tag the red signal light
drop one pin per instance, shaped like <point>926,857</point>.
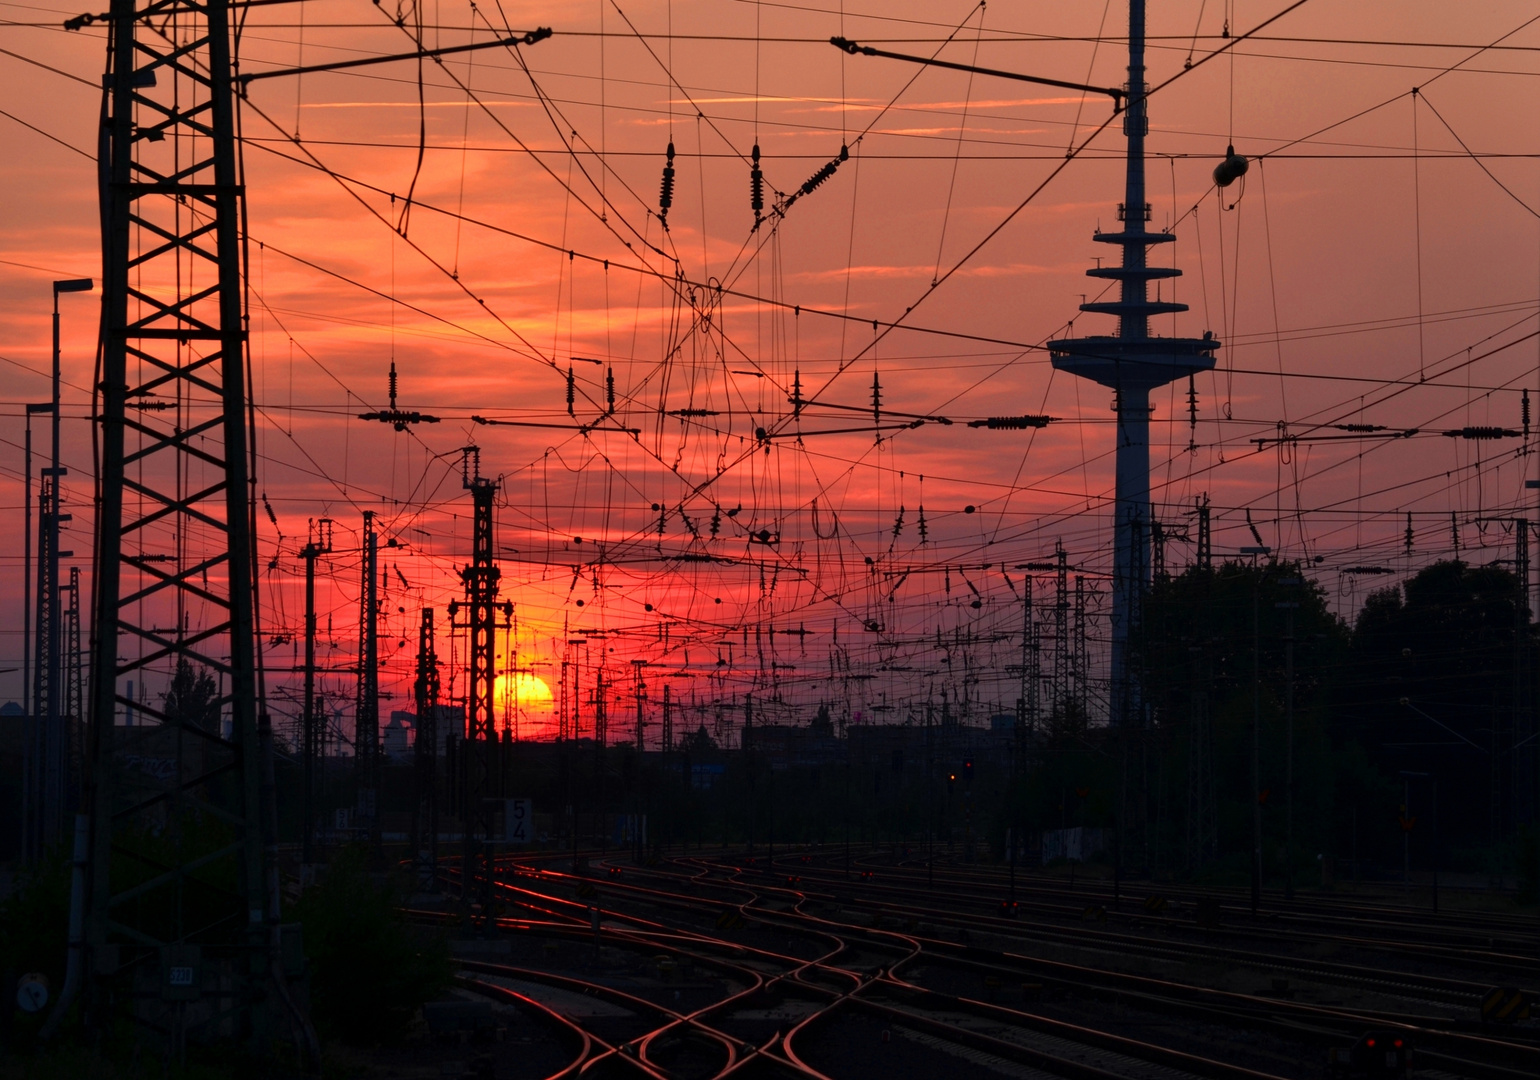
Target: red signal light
<point>1369,1043</point>
<point>1398,1044</point>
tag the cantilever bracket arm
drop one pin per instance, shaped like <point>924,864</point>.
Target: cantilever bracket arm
<point>530,38</point>
<point>1115,93</point>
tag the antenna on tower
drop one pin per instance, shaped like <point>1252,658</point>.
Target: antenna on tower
<point>1133,362</point>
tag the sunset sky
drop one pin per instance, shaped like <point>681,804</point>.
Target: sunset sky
<point>1379,265</point>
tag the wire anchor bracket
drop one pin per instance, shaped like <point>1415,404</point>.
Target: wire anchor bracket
<point>1116,93</point>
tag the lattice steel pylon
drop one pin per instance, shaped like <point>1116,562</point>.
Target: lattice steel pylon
<point>366,712</point>
<point>181,913</point>
<point>425,753</point>
<point>481,579</point>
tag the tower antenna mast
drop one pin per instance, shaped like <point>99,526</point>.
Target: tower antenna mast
<point>1132,363</point>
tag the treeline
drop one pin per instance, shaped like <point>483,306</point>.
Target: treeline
<point>1412,726</point>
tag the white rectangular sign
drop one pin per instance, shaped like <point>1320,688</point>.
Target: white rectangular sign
<point>518,825</point>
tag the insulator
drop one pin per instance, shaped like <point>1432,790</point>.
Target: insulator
<point>923,529</point>
<point>666,192</point>
<point>393,392</point>
<point>609,390</point>
<point>876,399</point>
<point>571,392</point>
<point>1525,408</point>
<point>1482,432</point>
<point>1012,423</point>
<point>796,394</point>
<point>1231,169</point>
<point>819,177</point>
<point>756,185</point>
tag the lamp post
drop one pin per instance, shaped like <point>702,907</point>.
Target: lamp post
<point>48,747</point>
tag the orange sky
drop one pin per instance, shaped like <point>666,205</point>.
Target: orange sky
<point>1314,273</point>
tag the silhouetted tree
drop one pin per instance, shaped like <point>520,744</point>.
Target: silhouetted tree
<point>1435,683</point>
<point>193,697</point>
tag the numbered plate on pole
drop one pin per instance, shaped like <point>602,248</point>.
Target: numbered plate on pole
<point>518,827</point>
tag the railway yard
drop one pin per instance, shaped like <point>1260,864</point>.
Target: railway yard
<point>801,963</point>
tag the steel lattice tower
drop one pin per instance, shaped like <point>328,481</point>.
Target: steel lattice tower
<point>481,579</point>
<point>366,711</point>
<point>44,755</point>
<point>313,717</point>
<point>425,755</point>
<point>177,887</point>
<point>1132,364</point>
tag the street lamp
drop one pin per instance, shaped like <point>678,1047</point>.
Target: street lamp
<point>47,746</point>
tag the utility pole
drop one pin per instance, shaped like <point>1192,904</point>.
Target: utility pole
<point>1519,803</point>
<point>171,193</point>
<point>1061,655</point>
<point>366,711</point>
<point>49,715</point>
<point>1082,665</point>
<point>1205,558</point>
<point>1289,606</point>
<point>74,689</point>
<point>425,756</point>
<point>481,579</point>
<point>601,717</point>
<point>318,543</point>
<point>46,664</point>
<point>668,721</point>
<point>32,729</point>
<point>1256,749</point>
<point>1025,717</point>
<point>641,694</point>
<point>746,744</point>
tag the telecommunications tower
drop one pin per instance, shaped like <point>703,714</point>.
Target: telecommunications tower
<point>1132,363</point>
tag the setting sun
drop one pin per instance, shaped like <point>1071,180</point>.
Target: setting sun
<point>520,690</point>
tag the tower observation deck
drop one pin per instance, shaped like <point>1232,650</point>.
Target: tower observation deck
<point>1132,363</point>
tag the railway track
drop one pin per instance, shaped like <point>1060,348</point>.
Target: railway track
<point>712,967</point>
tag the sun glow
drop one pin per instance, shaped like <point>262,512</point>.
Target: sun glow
<point>521,691</point>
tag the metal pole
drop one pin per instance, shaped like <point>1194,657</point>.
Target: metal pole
<point>1437,841</point>
<point>1288,845</point>
<point>366,713</point>
<point>26,575</point>
<point>55,738</point>
<point>1256,749</point>
<point>309,733</point>
<point>29,726</point>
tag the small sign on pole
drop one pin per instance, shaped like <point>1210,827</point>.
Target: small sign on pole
<point>519,821</point>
